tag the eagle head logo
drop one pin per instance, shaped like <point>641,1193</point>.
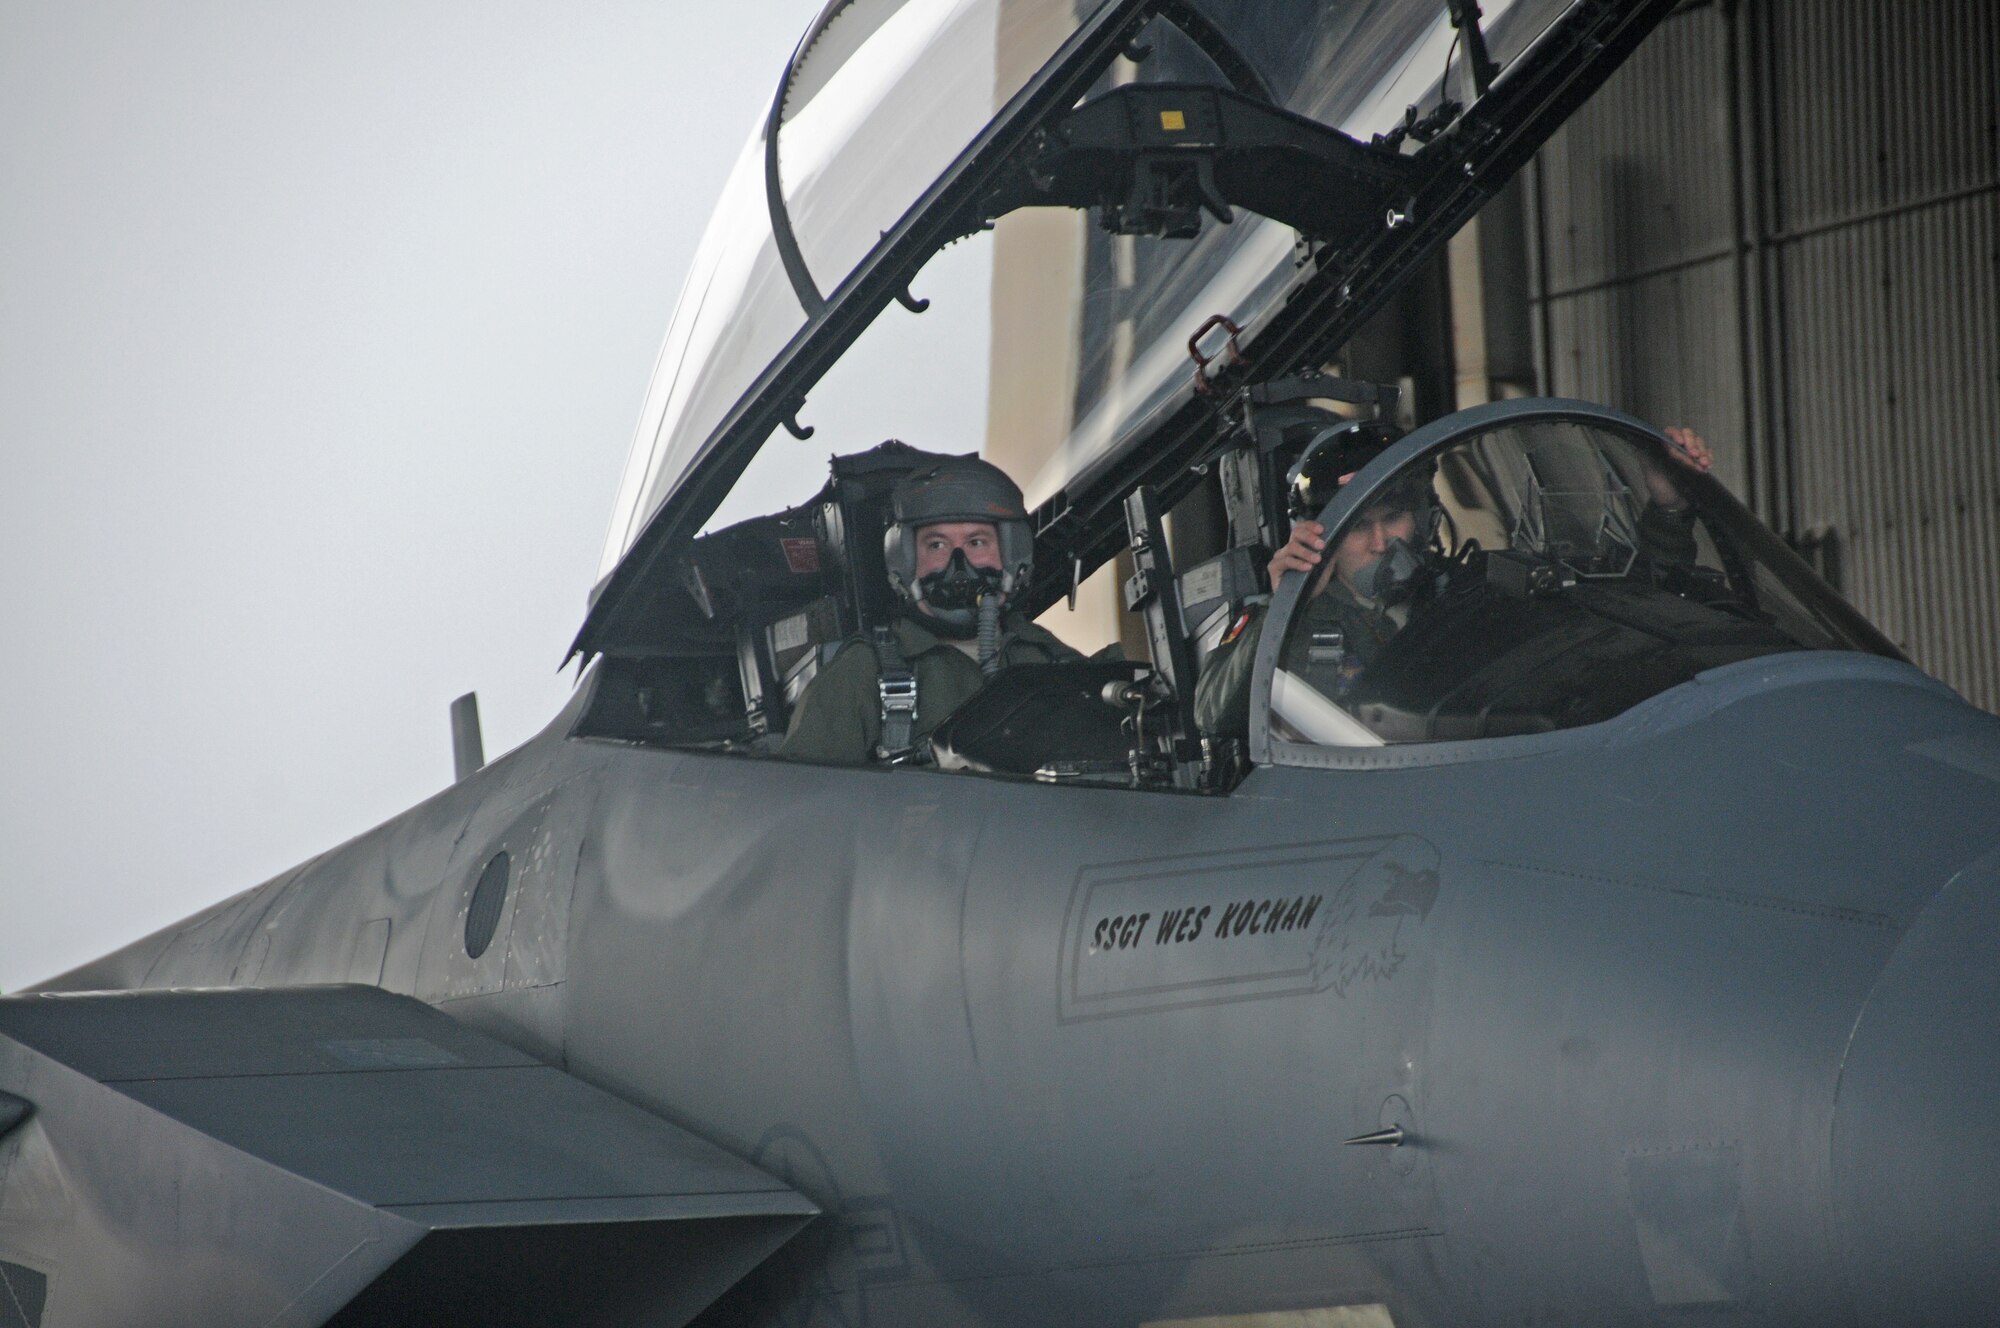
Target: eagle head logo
<point>1358,937</point>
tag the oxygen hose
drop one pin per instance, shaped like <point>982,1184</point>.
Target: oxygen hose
<point>989,634</point>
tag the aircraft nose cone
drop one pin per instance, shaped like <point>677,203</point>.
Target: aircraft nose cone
<point>1916,1134</point>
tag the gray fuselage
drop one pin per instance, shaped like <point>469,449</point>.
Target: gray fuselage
<point>1696,1009</point>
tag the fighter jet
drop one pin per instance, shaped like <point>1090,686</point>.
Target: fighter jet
<point>1611,942</point>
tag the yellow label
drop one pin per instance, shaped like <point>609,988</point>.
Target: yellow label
<point>1173,121</point>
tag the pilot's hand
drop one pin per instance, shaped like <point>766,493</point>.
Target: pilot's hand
<point>1690,448</point>
<point>1692,451</point>
<point>1302,551</point>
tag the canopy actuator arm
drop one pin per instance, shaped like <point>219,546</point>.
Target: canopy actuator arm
<point>1152,157</point>
<point>1465,17</point>
<point>1153,592</point>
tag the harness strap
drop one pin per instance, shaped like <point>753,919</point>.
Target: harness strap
<point>896,682</point>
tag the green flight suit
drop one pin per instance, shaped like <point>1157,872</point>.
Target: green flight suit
<point>1222,694</point>
<point>839,718</point>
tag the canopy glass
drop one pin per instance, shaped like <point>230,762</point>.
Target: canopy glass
<point>886,97</point>
<point>1544,566</point>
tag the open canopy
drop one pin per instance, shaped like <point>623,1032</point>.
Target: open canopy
<point>881,99</point>
<point>904,124</point>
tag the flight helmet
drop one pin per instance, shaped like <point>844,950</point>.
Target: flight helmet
<point>1333,454</point>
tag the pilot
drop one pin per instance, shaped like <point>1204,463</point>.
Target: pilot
<point>1364,593</point>
<point>1360,598</point>
<point>958,548</point>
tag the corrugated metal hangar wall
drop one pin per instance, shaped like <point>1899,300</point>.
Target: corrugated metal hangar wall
<point>1781,224</point>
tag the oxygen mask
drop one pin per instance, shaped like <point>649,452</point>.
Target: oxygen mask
<point>1389,577</point>
<point>956,596</point>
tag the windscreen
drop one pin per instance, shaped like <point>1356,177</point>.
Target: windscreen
<point>1354,65</point>
<point>884,99</point>
<point>1534,577</point>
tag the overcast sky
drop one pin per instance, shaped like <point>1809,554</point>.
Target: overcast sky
<point>323,332</point>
